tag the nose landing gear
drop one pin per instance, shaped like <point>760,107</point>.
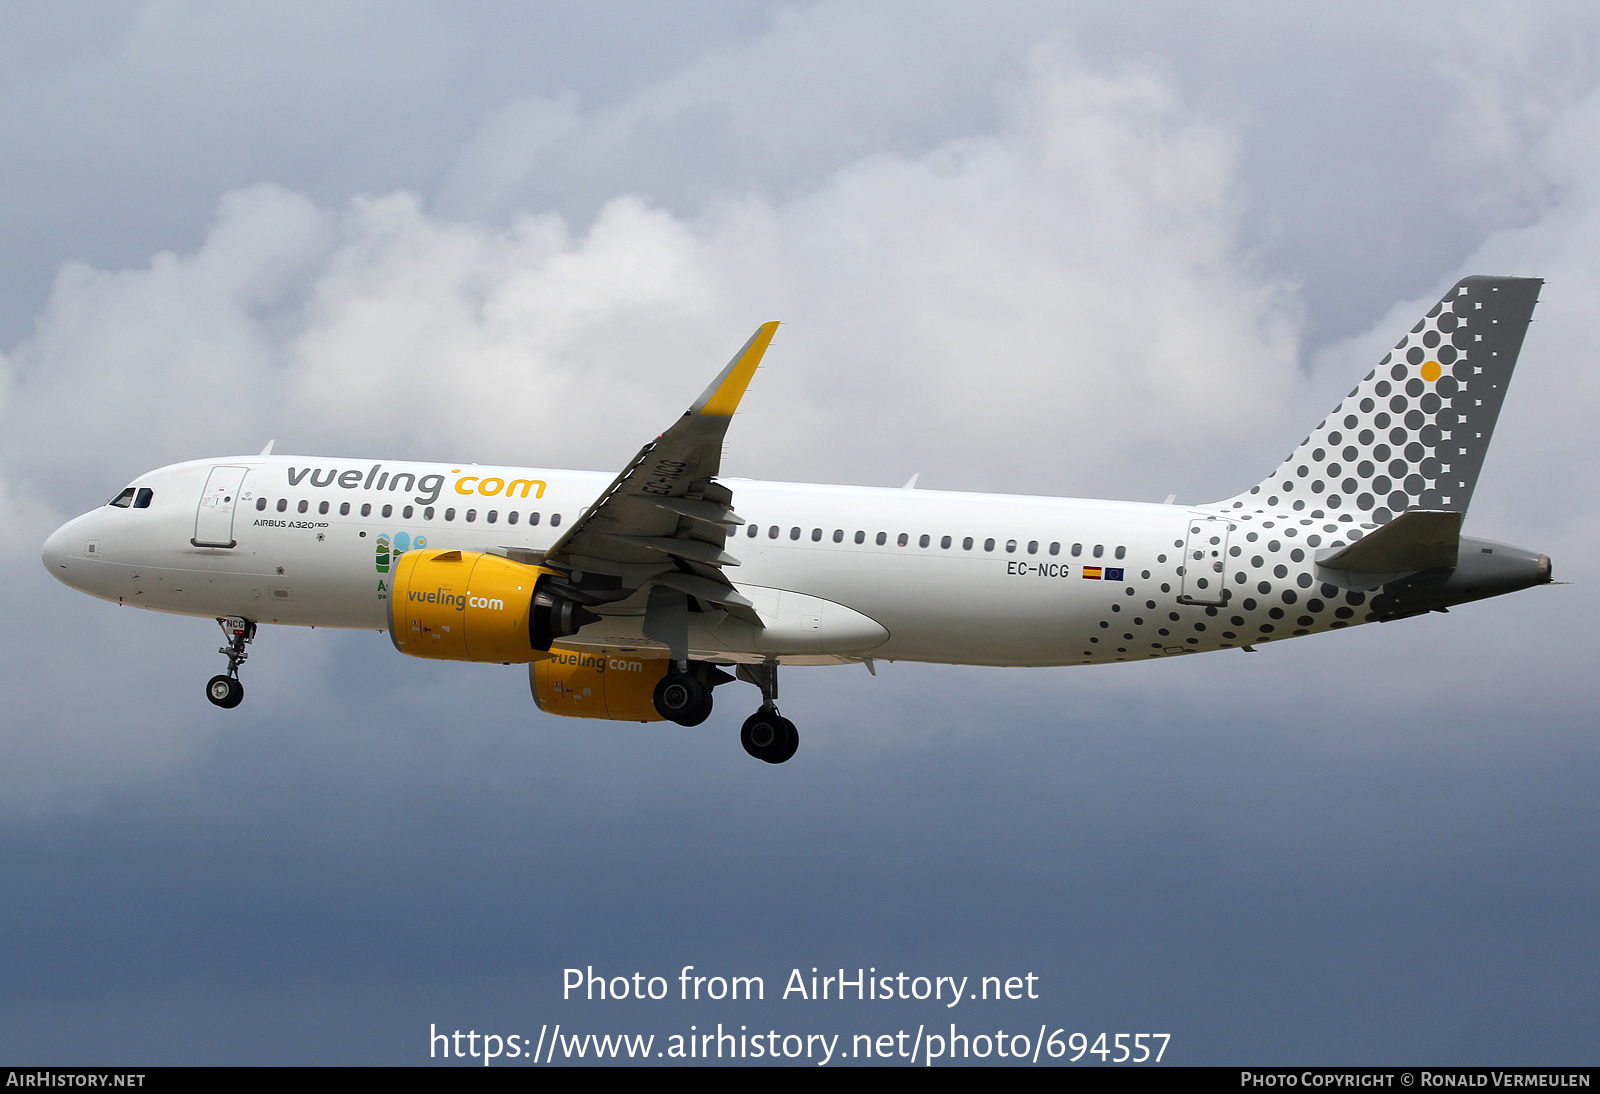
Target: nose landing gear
<point>225,690</point>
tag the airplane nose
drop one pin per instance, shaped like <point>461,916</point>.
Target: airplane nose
<point>54,554</point>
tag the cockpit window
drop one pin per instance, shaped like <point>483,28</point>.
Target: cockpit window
<point>142,499</point>
<point>123,500</point>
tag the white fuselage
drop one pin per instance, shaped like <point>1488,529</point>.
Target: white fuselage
<point>838,573</point>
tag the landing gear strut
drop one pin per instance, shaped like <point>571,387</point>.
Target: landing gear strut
<point>225,690</point>
<point>766,734</point>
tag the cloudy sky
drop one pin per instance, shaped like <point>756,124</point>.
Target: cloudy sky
<point>1110,250</point>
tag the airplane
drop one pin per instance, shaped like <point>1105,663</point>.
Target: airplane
<point>631,597</point>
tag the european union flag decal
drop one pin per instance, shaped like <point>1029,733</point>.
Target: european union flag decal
<point>1114,574</point>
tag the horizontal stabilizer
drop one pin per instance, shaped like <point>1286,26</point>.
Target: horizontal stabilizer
<point>1418,539</point>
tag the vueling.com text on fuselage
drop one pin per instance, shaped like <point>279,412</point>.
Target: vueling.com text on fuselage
<point>428,486</point>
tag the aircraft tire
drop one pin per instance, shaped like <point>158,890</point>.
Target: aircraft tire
<point>224,691</point>
<point>788,745</point>
<point>682,699</point>
<point>768,736</point>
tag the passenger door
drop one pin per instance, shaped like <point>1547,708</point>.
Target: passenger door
<point>213,521</point>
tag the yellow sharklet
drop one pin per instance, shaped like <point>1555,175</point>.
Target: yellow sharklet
<point>722,397</point>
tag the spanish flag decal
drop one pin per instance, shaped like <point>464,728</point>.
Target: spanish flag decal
<point>1092,573</point>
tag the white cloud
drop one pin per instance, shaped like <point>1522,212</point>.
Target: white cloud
<point>1070,280</point>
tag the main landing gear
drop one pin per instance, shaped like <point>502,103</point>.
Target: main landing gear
<point>766,734</point>
<point>225,690</point>
<point>684,696</point>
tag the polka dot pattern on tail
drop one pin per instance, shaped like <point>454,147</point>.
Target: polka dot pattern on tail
<point>1414,432</point>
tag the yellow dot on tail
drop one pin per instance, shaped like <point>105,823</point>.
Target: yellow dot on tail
<point>1430,371</point>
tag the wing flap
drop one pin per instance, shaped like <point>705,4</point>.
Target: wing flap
<point>694,549</point>
<point>704,589</point>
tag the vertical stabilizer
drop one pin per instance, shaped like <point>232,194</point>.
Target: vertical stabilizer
<point>1413,433</point>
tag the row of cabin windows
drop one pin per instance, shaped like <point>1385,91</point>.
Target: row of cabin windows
<point>945,542</point>
<point>138,500</point>
<point>406,512</point>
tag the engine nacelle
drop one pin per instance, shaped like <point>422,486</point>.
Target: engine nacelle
<point>583,684</point>
<point>471,606</point>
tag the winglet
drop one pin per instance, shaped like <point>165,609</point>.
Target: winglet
<point>722,397</point>
<point>267,451</point>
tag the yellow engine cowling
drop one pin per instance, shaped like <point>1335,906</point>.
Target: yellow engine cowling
<point>583,684</point>
<point>463,606</point>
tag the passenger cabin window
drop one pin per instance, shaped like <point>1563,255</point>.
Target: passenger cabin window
<point>1011,546</point>
<point>555,520</point>
<point>794,533</point>
<point>122,500</point>
<point>838,535</point>
<point>366,508</point>
<point>922,540</point>
<point>533,518</point>
<point>816,535</point>
<point>344,509</point>
<point>261,503</point>
<point>944,542</point>
<point>472,515</point>
<point>1077,549</point>
<point>449,514</point>
<point>323,508</point>
<point>1033,546</point>
<point>966,544</point>
<point>388,510</point>
<point>406,512</point>
<point>988,545</point>
<point>883,537</point>
<point>283,505</point>
<point>1099,549</point>
<point>142,499</point>
<point>1055,548</point>
<point>427,514</point>
<point>903,540</point>
<point>494,515</point>
<point>861,537</point>
<point>1122,552</point>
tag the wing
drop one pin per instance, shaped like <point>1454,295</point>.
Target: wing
<point>664,521</point>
